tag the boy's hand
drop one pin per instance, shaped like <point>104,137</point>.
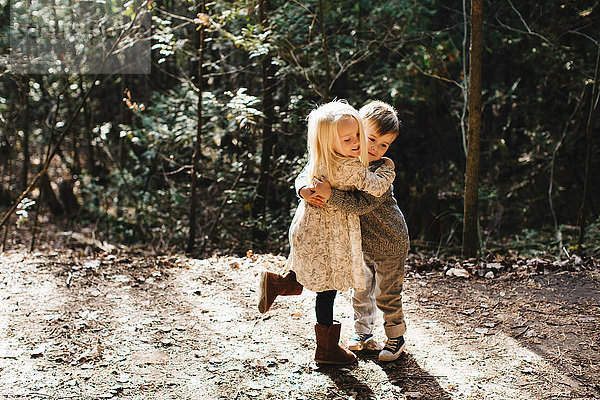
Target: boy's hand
<point>322,188</point>
<point>309,195</point>
<point>389,162</point>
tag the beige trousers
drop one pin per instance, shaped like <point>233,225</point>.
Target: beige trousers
<point>385,278</point>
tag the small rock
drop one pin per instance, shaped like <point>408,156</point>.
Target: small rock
<point>458,272</point>
<point>531,333</point>
<point>256,386</point>
<point>586,319</point>
<point>38,351</point>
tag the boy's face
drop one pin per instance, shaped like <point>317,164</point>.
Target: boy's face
<point>378,145</point>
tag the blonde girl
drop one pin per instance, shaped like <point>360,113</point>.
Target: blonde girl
<point>325,242</point>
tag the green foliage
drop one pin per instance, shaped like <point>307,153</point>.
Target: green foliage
<point>133,162</point>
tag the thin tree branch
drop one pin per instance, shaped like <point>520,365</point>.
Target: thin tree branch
<point>67,128</point>
<point>552,164</point>
<point>528,29</point>
<point>465,83</point>
<point>588,156</point>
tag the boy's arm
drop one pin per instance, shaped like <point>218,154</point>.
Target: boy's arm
<point>355,201</point>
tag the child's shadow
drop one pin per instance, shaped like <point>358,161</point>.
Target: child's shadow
<point>346,382</point>
<point>406,373</point>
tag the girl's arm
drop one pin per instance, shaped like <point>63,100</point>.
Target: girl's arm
<point>375,183</point>
<point>306,191</point>
<point>301,180</point>
<point>350,201</point>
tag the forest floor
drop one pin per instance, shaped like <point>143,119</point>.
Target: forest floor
<point>80,324</point>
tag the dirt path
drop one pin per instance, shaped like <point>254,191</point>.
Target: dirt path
<point>133,327</point>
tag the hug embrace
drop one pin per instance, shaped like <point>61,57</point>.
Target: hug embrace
<point>348,231</point>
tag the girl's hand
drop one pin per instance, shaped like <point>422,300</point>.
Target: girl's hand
<point>389,162</point>
<point>322,188</point>
<point>309,195</point>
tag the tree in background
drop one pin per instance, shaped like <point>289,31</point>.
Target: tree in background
<point>470,246</point>
<point>128,160</point>
<point>203,23</point>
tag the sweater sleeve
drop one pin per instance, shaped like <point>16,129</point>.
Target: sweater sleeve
<point>301,181</point>
<point>375,183</point>
<point>355,201</point>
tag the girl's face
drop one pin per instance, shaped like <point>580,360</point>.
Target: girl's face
<point>349,135</point>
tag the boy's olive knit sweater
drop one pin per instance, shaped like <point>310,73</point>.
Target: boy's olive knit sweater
<point>383,228</point>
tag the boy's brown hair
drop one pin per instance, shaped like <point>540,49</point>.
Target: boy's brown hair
<point>381,116</point>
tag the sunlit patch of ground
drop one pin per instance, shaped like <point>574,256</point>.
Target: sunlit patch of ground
<point>129,326</point>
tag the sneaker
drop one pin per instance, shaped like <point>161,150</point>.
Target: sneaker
<point>392,350</point>
<point>363,341</point>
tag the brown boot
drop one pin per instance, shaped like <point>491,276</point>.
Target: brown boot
<point>273,285</point>
<point>328,350</point>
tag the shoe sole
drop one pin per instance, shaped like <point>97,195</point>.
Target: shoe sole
<point>262,298</point>
<point>369,345</point>
<point>325,362</point>
<point>356,347</point>
<point>392,357</point>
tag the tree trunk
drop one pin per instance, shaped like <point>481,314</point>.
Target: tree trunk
<point>196,155</point>
<point>470,246</point>
<point>48,195</point>
<point>581,214</point>
<point>268,139</point>
<point>24,124</point>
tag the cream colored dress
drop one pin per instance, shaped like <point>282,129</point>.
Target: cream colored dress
<point>325,242</point>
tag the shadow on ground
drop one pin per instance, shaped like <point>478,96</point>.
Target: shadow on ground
<point>405,374</point>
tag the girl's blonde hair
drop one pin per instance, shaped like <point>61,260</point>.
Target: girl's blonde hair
<point>323,135</point>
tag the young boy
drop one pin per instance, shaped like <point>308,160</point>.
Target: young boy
<point>384,235</point>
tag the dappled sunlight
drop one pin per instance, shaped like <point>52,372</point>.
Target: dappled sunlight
<point>133,327</point>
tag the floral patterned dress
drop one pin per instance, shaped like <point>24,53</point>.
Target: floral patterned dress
<point>325,242</point>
